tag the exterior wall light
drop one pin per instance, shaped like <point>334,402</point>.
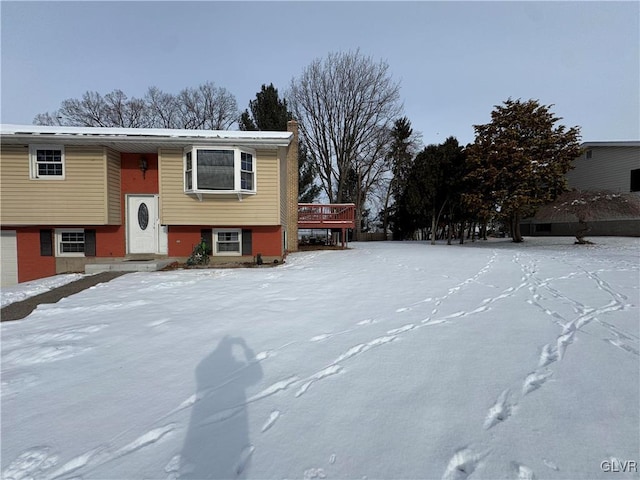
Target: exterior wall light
<point>144,166</point>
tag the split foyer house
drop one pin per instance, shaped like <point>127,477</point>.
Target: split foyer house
<point>71,196</point>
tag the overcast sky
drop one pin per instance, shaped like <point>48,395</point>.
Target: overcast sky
<point>454,60</point>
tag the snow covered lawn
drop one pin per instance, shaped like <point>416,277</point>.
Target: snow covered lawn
<point>22,291</point>
<point>389,360</point>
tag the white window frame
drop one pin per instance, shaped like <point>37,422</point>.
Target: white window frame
<point>58,238</point>
<point>217,231</point>
<point>33,162</point>
<point>237,170</point>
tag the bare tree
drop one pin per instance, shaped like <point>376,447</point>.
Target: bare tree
<point>204,107</point>
<point>220,107</point>
<point>89,111</point>
<point>589,206</point>
<point>162,108</point>
<point>345,105</point>
<point>207,107</point>
<point>122,112</point>
<point>53,118</point>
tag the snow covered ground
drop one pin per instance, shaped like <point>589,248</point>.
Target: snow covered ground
<point>17,293</point>
<point>390,360</point>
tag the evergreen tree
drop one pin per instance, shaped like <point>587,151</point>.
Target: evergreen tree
<point>269,112</point>
<point>520,159</point>
<point>433,188</point>
<point>400,157</point>
<point>246,122</point>
<point>308,191</point>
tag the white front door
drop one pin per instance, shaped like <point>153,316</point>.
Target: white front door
<point>142,223</point>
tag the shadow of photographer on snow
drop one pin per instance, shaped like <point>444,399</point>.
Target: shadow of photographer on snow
<point>217,443</point>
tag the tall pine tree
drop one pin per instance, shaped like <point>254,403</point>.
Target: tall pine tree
<point>269,112</point>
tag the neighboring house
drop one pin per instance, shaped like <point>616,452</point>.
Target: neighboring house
<point>77,195</point>
<point>612,166</point>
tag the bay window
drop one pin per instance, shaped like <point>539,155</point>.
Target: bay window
<point>219,170</point>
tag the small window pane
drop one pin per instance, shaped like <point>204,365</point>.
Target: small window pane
<point>72,242</point>
<point>228,236</point>
<point>229,247</point>
<point>49,156</point>
<point>49,169</point>
<point>247,162</point>
<point>48,162</point>
<point>246,181</point>
<point>215,170</point>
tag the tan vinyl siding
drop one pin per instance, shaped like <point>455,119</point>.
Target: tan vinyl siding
<point>79,199</point>
<point>282,161</point>
<point>114,208</point>
<point>609,168</point>
<point>179,208</point>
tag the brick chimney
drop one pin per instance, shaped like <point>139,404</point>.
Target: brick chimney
<point>292,188</point>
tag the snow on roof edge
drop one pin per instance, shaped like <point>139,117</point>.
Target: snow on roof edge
<point>612,143</point>
<point>11,129</point>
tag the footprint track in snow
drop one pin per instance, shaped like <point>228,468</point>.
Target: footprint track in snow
<point>31,463</point>
<point>273,417</point>
<point>548,355</point>
<point>523,472</point>
<point>535,380</point>
<point>463,463</point>
<point>402,329</point>
<point>499,412</point>
<point>326,372</point>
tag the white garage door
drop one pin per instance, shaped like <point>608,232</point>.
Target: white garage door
<point>8,258</point>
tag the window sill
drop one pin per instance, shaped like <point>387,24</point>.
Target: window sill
<point>239,193</point>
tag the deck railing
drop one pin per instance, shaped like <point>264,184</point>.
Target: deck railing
<point>333,215</point>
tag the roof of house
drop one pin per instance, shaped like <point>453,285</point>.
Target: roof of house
<point>139,139</point>
<point>620,143</point>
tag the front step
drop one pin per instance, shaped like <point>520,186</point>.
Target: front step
<point>129,265</point>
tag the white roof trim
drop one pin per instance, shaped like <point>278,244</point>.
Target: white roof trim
<point>137,134</point>
<point>617,143</point>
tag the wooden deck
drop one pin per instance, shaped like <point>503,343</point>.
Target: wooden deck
<point>327,216</point>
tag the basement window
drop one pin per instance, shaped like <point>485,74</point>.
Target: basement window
<point>46,162</point>
<point>228,242</point>
<point>219,170</point>
<point>70,242</point>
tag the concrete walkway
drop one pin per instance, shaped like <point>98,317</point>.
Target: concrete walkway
<point>19,310</point>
